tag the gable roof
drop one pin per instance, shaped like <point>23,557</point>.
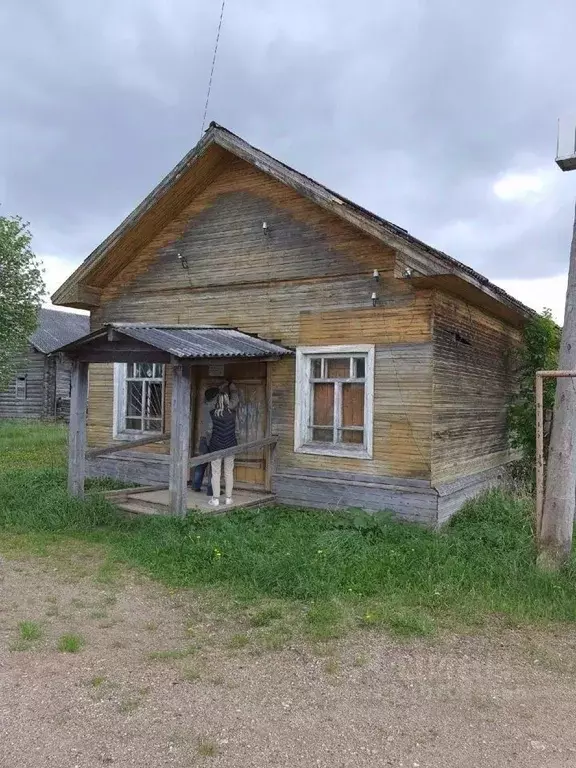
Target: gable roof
<point>435,261</point>
<point>56,328</point>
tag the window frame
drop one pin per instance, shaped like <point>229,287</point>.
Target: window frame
<point>303,401</point>
<point>21,385</point>
<point>119,431</point>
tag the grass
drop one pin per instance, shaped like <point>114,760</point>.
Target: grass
<point>29,630</point>
<point>237,642</point>
<point>321,574</point>
<point>207,748</point>
<point>71,643</point>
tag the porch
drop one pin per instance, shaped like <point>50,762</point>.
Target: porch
<point>196,357</point>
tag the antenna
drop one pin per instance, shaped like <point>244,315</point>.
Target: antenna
<point>213,66</point>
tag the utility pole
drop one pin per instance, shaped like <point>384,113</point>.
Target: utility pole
<point>555,541</point>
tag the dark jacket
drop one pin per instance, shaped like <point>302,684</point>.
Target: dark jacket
<point>223,431</point>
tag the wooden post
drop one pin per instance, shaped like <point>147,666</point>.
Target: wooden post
<point>270,451</point>
<point>180,438</point>
<point>77,428</point>
<point>539,451</point>
<point>555,542</point>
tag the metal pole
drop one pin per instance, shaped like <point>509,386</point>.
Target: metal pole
<point>539,451</point>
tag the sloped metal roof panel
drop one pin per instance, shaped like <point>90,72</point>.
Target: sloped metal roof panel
<point>202,342</point>
<point>56,328</point>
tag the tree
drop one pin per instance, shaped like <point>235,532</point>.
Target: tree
<point>560,491</point>
<point>21,293</point>
<point>539,352</point>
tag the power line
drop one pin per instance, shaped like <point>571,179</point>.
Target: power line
<point>213,66</point>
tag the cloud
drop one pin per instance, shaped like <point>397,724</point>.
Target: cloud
<point>545,293</point>
<point>438,116</point>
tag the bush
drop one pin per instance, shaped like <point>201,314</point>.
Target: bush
<point>538,352</point>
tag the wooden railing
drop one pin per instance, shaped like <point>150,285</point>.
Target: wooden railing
<point>115,447</point>
<point>205,458</point>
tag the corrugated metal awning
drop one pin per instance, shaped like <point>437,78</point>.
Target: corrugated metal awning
<point>186,342</point>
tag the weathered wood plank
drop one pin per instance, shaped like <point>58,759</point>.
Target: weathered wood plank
<point>77,429</point>
<point>180,437</point>
<point>243,448</point>
<point>126,445</point>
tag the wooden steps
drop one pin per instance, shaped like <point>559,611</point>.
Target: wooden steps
<point>157,502</point>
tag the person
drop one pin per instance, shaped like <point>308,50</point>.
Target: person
<point>205,433</point>
<point>223,436</point>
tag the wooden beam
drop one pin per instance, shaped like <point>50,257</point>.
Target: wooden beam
<point>77,428</point>
<point>244,448</point>
<point>119,356</point>
<point>540,463</point>
<point>126,446</point>
<point>271,449</point>
<point>180,438</point>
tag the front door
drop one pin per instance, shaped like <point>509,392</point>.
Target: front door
<point>250,378</point>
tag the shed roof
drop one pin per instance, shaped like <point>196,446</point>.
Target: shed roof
<point>56,328</point>
<point>188,342</point>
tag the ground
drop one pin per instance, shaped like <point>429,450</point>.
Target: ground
<point>160,679</point>
<point>273,636</point>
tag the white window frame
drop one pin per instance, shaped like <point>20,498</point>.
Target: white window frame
<point>119,431</point>
<point>302,444</point>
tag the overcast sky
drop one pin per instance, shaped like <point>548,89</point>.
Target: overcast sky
<point>439,115</point>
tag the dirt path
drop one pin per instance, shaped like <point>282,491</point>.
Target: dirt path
<point>162,683</point>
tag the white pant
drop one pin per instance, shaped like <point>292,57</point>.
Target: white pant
<point>228,475</point>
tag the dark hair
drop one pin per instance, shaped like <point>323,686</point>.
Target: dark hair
<point>211,393</point>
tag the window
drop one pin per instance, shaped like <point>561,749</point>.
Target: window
<point>139,396</point>
<point>21,388</point>
<point>334,400</point>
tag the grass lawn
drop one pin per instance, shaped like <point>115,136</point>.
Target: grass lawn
<point>296,571</point>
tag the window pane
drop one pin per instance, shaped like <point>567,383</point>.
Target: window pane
<point>322,436</point>
<point>134,398</point>
<point>360,367</point>
<point>145,370</point>
<point>352,405</point>
<point>352,436</point>
<point>323,404</point>
<point>130,370</point>
<point>316,368</point>
<point>152,425</point>
<point>338,368</point>
<point>154,399</point>
<point>158,370</point>
<point>134,424</point>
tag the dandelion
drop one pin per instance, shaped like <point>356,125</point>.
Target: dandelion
<point>320,551</point>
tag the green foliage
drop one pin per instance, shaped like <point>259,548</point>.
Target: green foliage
<point>538,352</point>
<point>29,630</point>
<point>21,292</point>
<point>71,643</point>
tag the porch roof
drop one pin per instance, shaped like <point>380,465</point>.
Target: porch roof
<point>184,342</point>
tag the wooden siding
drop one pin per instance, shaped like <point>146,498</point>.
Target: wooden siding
<point>31,364</point>
<point>308,281</point>
<point>473,381</point>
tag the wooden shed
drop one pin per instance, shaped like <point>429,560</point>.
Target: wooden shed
<point>388,370</point>
<point>40,389</point>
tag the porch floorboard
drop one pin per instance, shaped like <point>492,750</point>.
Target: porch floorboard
<point>159,501</point>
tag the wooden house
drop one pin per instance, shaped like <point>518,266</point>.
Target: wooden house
<point>387,380</point>
<point>41,387</point>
